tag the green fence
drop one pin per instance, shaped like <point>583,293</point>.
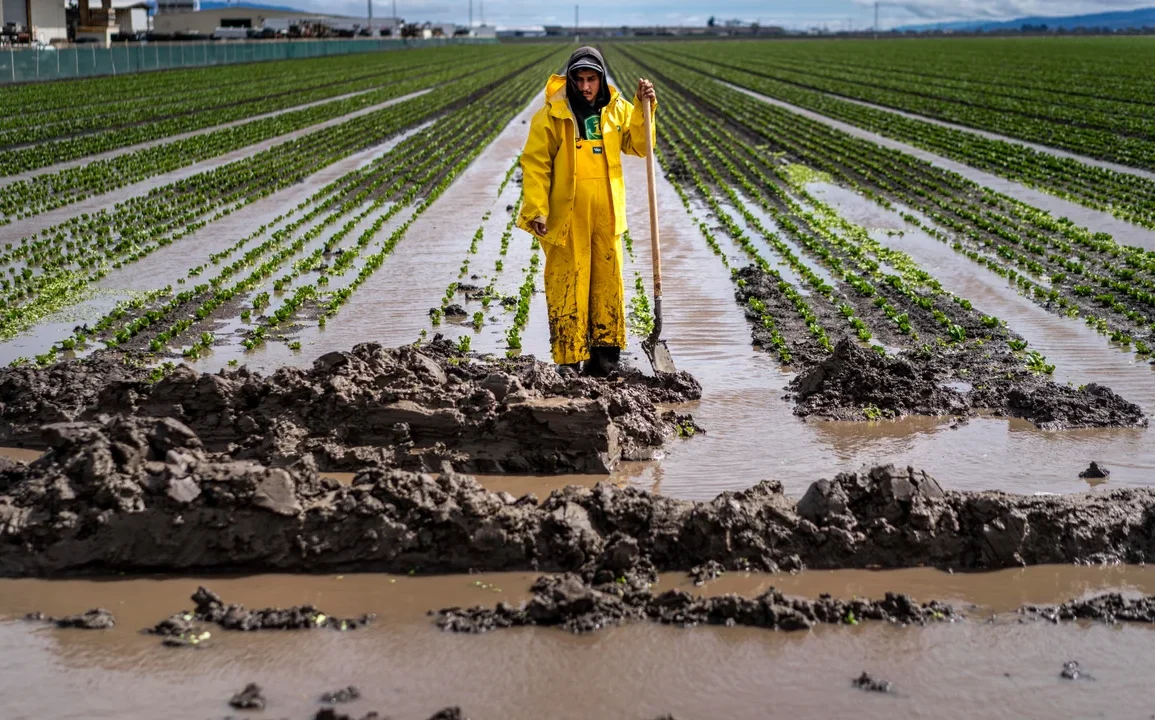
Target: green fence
<point>31,64</point>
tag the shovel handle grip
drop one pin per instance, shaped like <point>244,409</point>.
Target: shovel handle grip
<point>655,245</point>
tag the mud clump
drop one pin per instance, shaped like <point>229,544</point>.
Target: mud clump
<point>411,407</point>
<point>707,571</point>
<point>31,396</point>
<point>1072,671</point>
<point>572,603</point>
<point>1110,608</point>
<point>95,619</point>
<point>83,506</point>
<point>331,714</point>
<point>211,609</point>
<point>344,695</point>
<point>869,683</point>
<point>251,698</point>
<point>1095,471</point>
<point>854,383</point>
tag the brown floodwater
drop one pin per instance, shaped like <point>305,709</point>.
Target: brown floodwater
<point>407,669</point>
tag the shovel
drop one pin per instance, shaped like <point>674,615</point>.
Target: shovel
<point>654,347</point>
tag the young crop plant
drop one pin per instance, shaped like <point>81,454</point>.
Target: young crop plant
<point>640,314</point>
<point>1036,363</point>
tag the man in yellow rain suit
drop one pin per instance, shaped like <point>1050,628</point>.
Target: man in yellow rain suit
<point>575,203</point>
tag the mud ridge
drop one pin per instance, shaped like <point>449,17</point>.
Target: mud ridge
<point>183,628</point>
<point>936,379</point>
<point>413,407</point>
<point>83,507</point>
<point>571,602</point>
<point>852,382</point>
<point>95,619</point>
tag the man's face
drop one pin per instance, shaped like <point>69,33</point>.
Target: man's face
<point>588,83</point>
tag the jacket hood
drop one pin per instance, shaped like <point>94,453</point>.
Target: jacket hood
<point>555,95</point>
<point>583,52</point>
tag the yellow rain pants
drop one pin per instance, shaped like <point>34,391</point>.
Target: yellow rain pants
<point>583,276</point>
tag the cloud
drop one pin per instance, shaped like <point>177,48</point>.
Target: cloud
<point>791,13</point>
<point>998,9</point>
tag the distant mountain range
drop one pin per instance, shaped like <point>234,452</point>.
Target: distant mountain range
<point>1121,20</point>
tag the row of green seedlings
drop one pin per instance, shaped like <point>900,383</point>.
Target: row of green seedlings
<point>285,164</point>
<point>322,201</point>
<point>757,124</point>
<point>640,313</point>
<point>911,275</point>
<point>45,192</point>
<point>901,261</point>
<point>406,118</point>
<point>490,293</point>
<point>524,295</point>
<point>1126,196</point>
<point>57,289</point>
<point>415,177</point>
<point>800,303</point>
<point>1113,135</point>
<point>820,250</point>
<point>504,103</point>
<point>478,320</point>
<point>509,174</point>
<point>94,129</point>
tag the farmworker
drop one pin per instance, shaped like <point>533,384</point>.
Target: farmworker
<point>574,203</point>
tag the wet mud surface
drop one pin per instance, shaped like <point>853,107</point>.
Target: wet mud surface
<point>961,382</point>
<point>82,507</point>
<point>413,407</point>
<point>855,383</point>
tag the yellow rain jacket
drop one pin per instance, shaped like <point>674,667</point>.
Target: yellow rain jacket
<point>577,186</point>
<point>549,162</point>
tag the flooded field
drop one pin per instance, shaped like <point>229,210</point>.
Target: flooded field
<point>840,306</point>
<point>407,669</point>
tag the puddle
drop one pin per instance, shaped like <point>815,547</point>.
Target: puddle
<point>408,669</point>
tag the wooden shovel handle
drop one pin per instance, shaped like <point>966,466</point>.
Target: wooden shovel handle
<point>655,248</point>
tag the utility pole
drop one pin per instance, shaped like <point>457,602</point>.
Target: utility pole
<point>470,15</point>
<point>575,21</point>
<point>370,3</point>
<point>875,19</point>
<point>482,4</point>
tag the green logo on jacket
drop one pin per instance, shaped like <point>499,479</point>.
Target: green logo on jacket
<point>593,128</point>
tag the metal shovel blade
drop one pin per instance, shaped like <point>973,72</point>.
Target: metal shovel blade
<point>655,347</point>
<point>659,355</point>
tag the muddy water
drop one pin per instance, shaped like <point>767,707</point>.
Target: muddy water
<point>1096,220</point>
<point>408,669</point>
<point>36,223</point>
<point>753,435</point>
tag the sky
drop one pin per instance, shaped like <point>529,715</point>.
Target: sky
<point>834,14</point>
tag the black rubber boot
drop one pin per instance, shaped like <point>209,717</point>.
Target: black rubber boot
<point>603,361</point>
<point>571,370</point>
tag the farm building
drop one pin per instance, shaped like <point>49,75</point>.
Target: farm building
<point>44,17</point>
<point>205,22</point>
